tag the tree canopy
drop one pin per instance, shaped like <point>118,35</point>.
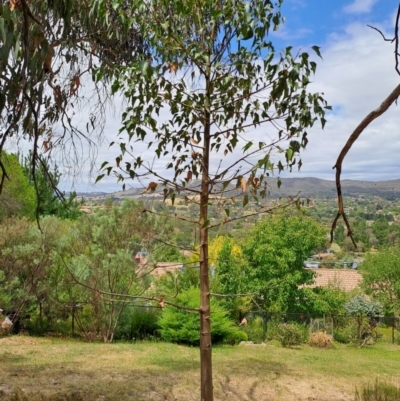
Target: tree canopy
<point>48,49</point>
<point>275,252</point>
<point>381,278</point>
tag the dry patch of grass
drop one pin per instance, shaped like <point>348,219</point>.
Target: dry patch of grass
<point>53,369</point>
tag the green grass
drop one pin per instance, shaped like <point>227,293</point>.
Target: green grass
<point>53,369</point>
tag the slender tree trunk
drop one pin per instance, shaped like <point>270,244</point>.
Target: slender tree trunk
<point>205,321</point>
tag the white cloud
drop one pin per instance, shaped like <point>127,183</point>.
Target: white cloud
<point>360,6</point>
<point>357,74</point>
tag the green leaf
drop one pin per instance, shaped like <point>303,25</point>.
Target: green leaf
<point>316,49</point>
<point>245,200</point>
<point>144,65</point>
<point>99,178</point>
<point>227,212</point>
<point>206,224</point>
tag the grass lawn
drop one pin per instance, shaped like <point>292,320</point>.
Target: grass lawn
<point>56,369</point>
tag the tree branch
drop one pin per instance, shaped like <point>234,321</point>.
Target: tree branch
<point>353,137</point>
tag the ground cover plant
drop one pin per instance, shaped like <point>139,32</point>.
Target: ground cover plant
<point>59,369</point>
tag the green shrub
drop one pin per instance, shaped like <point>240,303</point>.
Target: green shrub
<point>342,335</point>
<point>378,392</point>
<point>255,330</point>
<point>138,324</point>
<point>290,334</point>
<point>38,326</point>
<point>236,337</point>
<point>182,326</point>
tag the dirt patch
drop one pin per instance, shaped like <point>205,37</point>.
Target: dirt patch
<point>18,340</point>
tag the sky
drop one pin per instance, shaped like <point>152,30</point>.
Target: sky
<point>356,74</point>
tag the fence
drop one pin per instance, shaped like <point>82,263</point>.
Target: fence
<point>325,324</point>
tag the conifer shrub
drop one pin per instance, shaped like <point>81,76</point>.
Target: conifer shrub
<point>183,325</point>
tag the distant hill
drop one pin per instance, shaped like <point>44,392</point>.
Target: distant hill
<point>308,187</point>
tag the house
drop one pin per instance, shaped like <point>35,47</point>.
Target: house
<point>162,268</point>
<point>346,279</point>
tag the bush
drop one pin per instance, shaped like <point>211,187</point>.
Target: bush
<point>182,326</point>
<point>290,334</point>
<point>255,330</point>
<point>138,324</point>
<point>236,337</point>
<point>38,326</point>
<point>342,335</point>
<point>320,340</point>
<point>378,392</point>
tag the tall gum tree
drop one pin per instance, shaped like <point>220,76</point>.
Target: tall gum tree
<point>219,105</point>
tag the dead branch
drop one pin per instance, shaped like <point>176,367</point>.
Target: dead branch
<point>353,137</point>
<point>360,128</point>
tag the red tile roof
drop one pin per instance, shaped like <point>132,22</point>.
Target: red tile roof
<point>346,279</point>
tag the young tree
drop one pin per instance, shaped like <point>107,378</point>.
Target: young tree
<point>26,258</point>
<point>100,258</point>
<point>214,85</point>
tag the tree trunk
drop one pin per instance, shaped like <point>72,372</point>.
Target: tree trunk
<point>205,321</point>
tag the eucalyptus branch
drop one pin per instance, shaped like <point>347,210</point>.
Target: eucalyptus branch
<point>393,96</point>
<point>353,137</point>
<point>233,295</point>
<point>395,39</point>
<point>257,213</point>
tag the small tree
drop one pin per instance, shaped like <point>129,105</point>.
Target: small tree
<point>361,308</point>
<point>216,74</point>
<point>100,258</point>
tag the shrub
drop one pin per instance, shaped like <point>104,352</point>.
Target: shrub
<point>138,324</point>
<point>255,330</point>
<point>38,326</point>
<point>342,335</point>
<point>236,337</point>
<point>182,326</point>
<point>378,392</point>
<point>290,334</point>
<point>320,340</point>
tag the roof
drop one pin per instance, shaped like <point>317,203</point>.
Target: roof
<point>345,279</point>
<point>163,267</point>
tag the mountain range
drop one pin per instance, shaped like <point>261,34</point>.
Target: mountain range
<point>308,187</point>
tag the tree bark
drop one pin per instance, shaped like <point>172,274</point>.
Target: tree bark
<point>207,393</point>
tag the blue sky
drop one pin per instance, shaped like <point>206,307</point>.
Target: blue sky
<point>356,74</point>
